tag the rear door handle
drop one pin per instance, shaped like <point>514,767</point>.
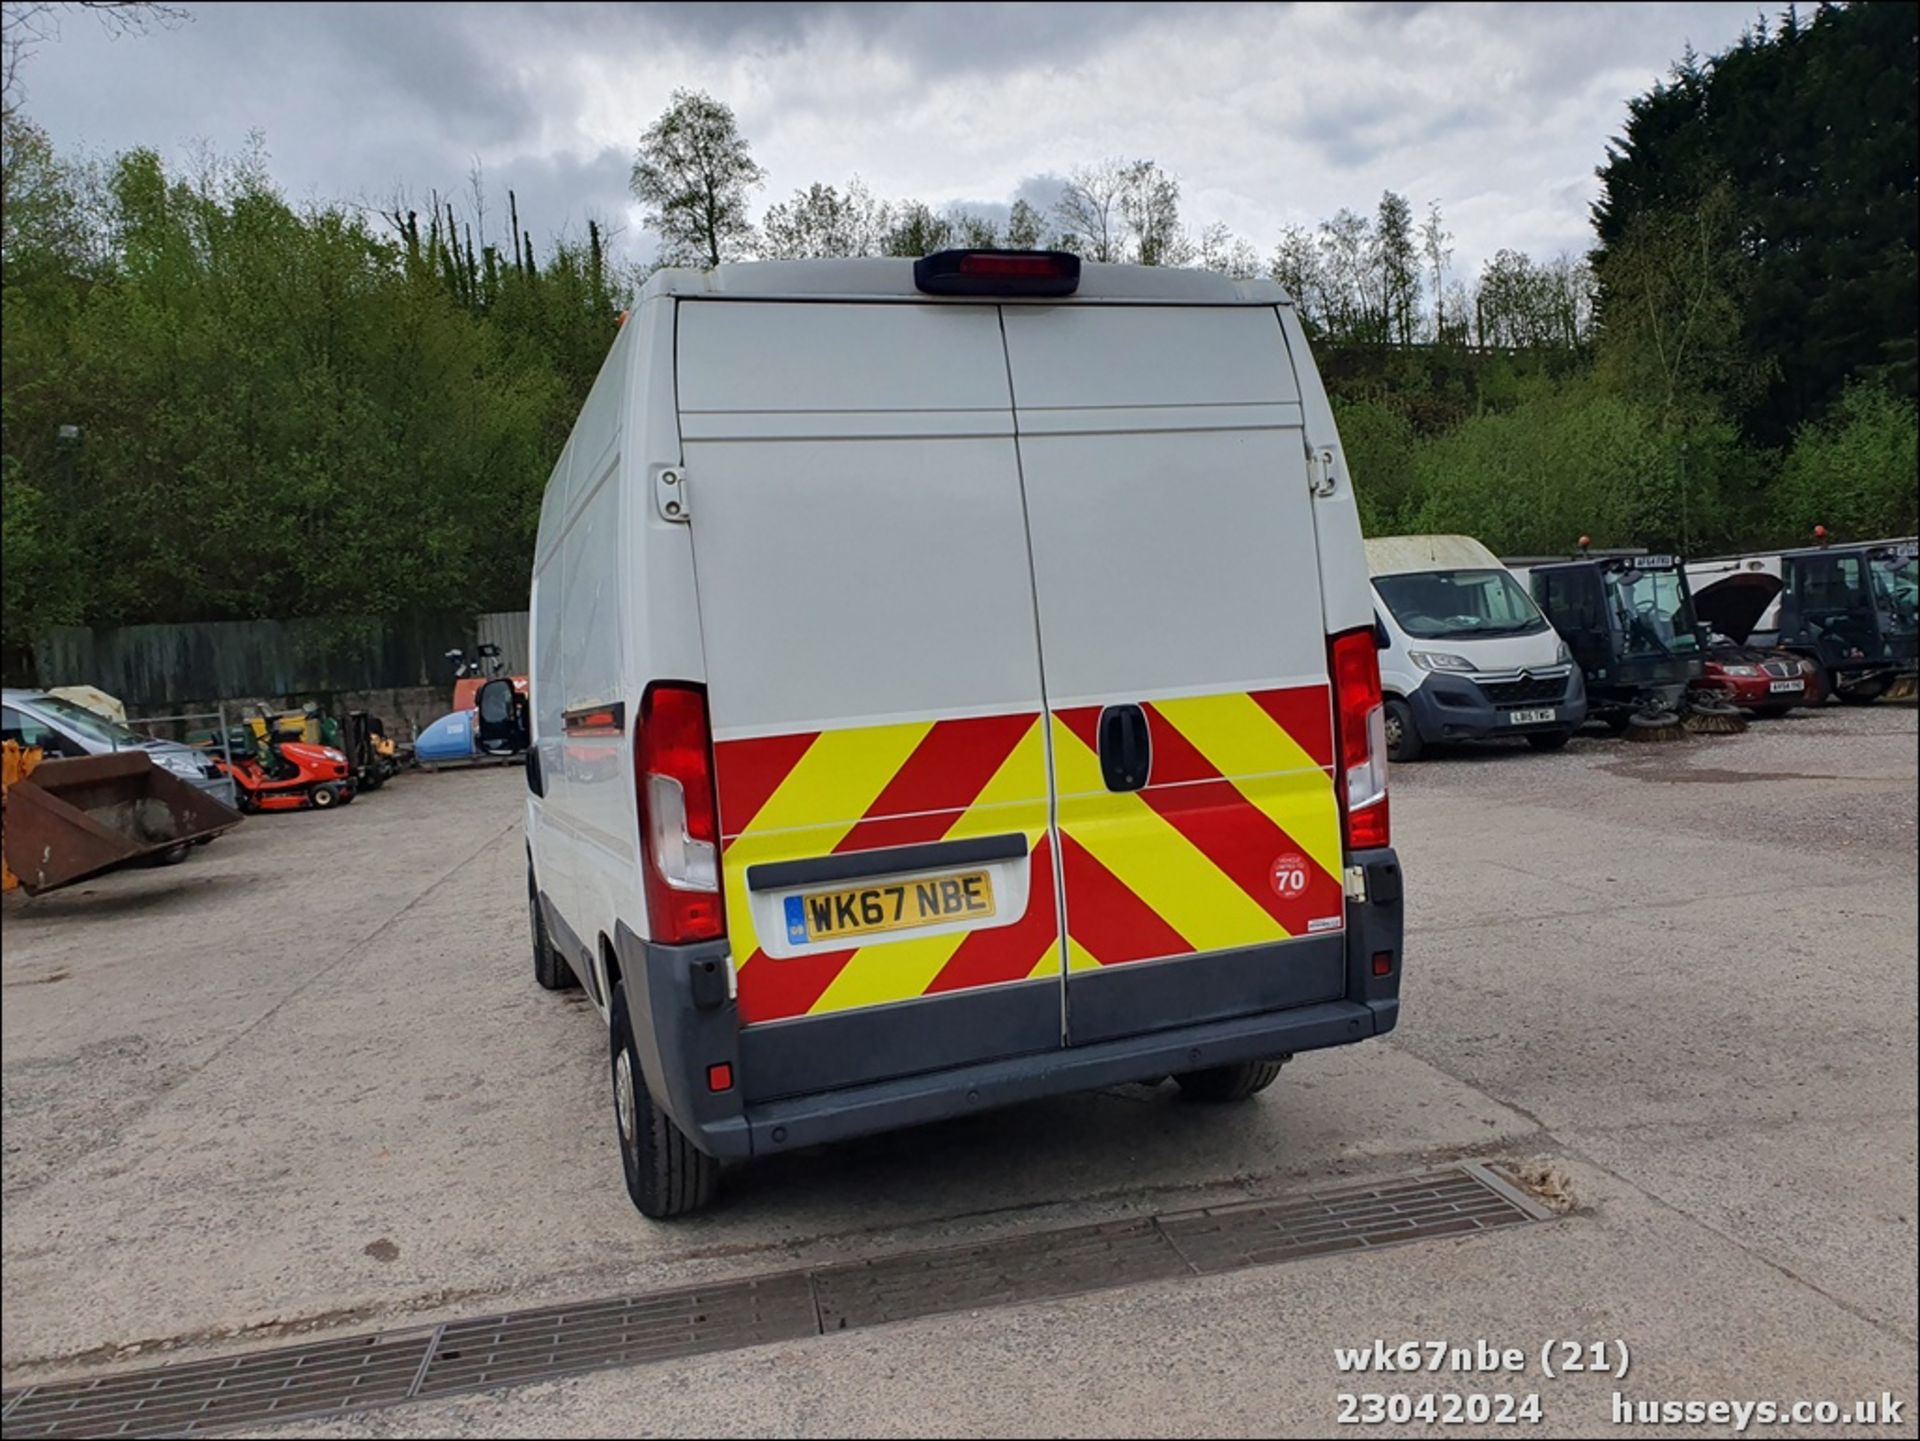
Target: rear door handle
<point>1126,747</point>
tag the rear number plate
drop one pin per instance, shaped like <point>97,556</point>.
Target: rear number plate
<point>895,906</point>
<point>1781,686</point>
<point>1530,717</point>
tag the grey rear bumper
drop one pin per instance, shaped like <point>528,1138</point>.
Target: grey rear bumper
<point>683,1026</point>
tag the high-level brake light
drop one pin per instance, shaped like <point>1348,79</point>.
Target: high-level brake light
<point>998,272</point>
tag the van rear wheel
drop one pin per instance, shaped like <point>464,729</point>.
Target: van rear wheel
<point>1231,1083</point>
<point>667,1175</point>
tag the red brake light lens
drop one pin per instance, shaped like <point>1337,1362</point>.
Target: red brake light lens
<point>1360,738</point>
<point>679,815</point>
<point>998,272</point>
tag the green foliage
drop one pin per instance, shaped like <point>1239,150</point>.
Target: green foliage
<point>1853,472</point>
<point>1809,137</point>
<point>274,412</point>
<point>1381,451</point>
<point>1570,458</point>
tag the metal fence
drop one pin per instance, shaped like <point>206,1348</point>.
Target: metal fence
<point>163,667</point>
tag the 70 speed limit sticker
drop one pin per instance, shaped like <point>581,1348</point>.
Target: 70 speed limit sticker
<point>1288,875</point>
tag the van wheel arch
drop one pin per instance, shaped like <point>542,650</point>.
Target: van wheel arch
<point>609,968</point>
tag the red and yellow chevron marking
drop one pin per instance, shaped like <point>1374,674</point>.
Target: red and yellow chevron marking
<point>1240,781</point>
<point>860,789</point>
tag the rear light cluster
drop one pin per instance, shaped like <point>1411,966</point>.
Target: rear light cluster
<point>1360,738</point>
<point>679,815</point>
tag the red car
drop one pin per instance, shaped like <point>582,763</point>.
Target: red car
<point>1766,682</point>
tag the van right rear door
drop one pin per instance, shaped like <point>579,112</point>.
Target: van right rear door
<point>1184,654</point>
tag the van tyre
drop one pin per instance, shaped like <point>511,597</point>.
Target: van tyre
<point>550,968</point>
<point>1403,736</point>
<point>1550,740</point>
<point>667,1175</point>
<point>1231,1083</point>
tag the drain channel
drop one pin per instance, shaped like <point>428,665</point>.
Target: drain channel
<point>361,1372</point>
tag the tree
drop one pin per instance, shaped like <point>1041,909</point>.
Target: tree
<point>1809,134</point>
<point>693,173</point>
<point>1090,211</point>
<point>1396,257</point>
<point>1297,264</point>
<point>917,230</point>
<point>1436,248</point>
<point>1673,301</point>
<point>821,222</point>
<point>1851,471</point>
<point>1150,209</point>
<point>973,232</point>
<point>1352,306</point>
<point>1220,249</point>
<point>1026,227</point>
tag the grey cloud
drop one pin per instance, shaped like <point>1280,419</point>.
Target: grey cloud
<point>1268,116</point>
<point>939,39</point>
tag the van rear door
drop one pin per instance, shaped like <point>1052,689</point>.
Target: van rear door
<point>873,674</point>
<point>1184,654</point>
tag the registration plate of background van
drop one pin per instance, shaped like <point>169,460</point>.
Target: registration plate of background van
<point>890,906</point>
<point>1529,717</point>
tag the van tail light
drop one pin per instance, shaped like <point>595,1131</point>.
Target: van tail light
<point>679,815</point>
<point>1360,738</point>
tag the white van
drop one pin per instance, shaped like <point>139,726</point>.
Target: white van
<point>953,684</point>
<point>1465,654</point>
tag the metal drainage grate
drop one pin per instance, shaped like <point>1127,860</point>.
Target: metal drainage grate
<point>1264,1233</point>
<point>242,1390</point>
<point>1035,1267</point>
<point>527,1345</point>
<point>354,1374</point>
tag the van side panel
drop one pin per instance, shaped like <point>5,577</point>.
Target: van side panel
<point>547,836</point>
<point>613,607</point>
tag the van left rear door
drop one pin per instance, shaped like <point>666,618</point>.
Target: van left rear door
<point>866,613</point>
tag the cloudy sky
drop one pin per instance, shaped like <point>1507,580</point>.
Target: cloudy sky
<point>1268,115</point>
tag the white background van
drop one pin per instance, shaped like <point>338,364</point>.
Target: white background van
<point>1465,653</point>
<point>953,682</point>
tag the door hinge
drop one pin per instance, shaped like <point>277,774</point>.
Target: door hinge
<point>670,493</point>
<point>1322,477</point>
<point>1356,883</point>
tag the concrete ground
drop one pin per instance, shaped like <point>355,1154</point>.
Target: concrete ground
<point>305,1083</point>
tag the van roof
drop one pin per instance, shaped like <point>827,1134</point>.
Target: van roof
<point>890,279</point>
<point>1405,554</point>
